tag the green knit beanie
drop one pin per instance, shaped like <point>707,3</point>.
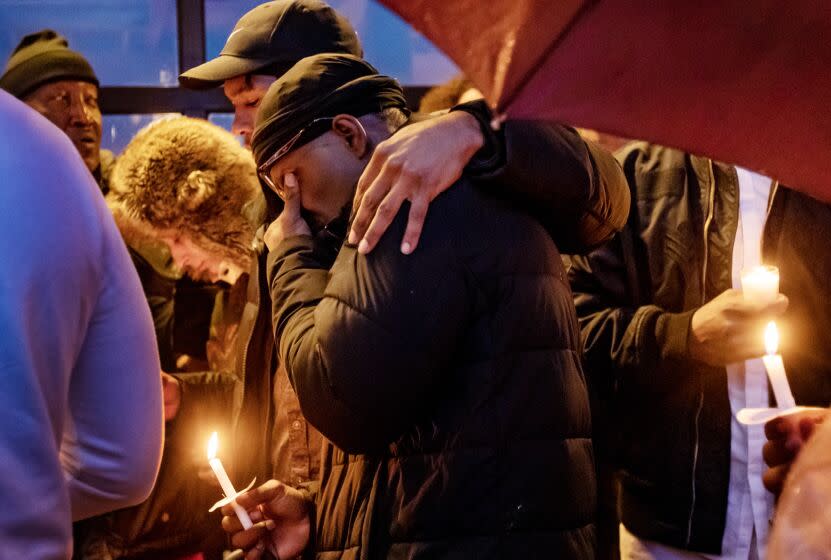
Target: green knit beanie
<point>41,58</point>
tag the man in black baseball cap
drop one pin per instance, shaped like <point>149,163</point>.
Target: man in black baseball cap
<point>60,84</point>
<point>266,42</point>
<point>271,38</point>
<point>263,45</point>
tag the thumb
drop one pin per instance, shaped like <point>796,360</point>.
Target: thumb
<point>292,195</point>
<point>780,305</point>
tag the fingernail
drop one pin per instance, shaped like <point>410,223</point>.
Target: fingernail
<point>290,180</point>
<point>406,248</point>
<point>363,247</point>
<point>270,525</point>
<point>353,237</point>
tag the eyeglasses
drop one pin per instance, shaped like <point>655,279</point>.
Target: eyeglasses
<point>303,136</point>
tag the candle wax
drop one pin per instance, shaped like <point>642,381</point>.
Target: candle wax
<point>779,381</point>
<point>229,490</point>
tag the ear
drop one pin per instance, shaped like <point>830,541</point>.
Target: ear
<point>197,188</point>
<point>353,133</point>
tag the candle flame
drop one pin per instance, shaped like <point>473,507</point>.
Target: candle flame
<point>771,338</point>
<point>213,443</point>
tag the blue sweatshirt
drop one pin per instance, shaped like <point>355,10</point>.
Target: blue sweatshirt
<point>80,390</point>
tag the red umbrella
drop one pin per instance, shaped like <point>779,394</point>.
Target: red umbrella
<point>747,82</point>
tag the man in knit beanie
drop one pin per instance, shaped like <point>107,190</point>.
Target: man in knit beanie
<point>60,84</point>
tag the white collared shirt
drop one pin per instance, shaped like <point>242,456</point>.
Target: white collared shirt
<point>749,505</point>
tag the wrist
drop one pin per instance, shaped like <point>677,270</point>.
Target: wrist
<point>467,127</point>
<point>488,153</point>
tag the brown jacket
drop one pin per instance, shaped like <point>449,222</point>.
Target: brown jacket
<point>271,437</point>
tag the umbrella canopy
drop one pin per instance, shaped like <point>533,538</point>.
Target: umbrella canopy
<point>742,82</point>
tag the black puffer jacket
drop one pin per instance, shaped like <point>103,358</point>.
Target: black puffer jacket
<point>450,382</point>
<point>575,189</point>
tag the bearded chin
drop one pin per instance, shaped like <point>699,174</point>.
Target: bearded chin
<point>316,224</point>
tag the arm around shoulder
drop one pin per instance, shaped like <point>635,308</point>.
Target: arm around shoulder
<point>574,187</point>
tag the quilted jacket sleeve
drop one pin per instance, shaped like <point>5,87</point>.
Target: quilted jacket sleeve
<point>640,344</point>
<point>575,188</point>
<point>366,344</point>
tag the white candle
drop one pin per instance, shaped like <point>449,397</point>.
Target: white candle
<point>776,369</point>
<point>225,482</point>
<point>760,283</point>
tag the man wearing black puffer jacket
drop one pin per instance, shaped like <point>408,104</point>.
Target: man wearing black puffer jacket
<point>448,381</point>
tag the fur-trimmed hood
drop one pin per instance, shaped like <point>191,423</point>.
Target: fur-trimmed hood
<point>193,177</point>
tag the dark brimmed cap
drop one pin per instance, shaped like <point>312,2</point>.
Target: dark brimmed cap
<point>272,37</point>
<point>41,58</point>
<point>322,85</point>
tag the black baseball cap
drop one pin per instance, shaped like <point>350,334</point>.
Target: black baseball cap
<point>322,85</point>
<point>272,37</point>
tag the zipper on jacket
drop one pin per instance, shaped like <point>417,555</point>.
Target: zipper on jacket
<point>711,199</point>
<point>695,465</point>
<point>773,190</point>
<point>250,335</point>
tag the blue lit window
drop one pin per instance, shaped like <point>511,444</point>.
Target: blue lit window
<point>134,48</point>
<point>128,43</point>
<point>118,130</point>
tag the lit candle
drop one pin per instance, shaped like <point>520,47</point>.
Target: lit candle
<point>225,482</point>
<point>760,283</point>
<point>776,369</point>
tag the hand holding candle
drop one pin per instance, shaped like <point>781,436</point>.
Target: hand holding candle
<point>760,285</point>
<point>727,329</point>
<point>287,524</point>
<point>225,482</point>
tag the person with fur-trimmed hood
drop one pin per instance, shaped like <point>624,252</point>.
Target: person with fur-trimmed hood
<point>206,212</point>
<point>190,184</point>
<point>186,184</point>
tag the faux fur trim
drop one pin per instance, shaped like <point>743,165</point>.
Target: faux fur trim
<point>190,176</point>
